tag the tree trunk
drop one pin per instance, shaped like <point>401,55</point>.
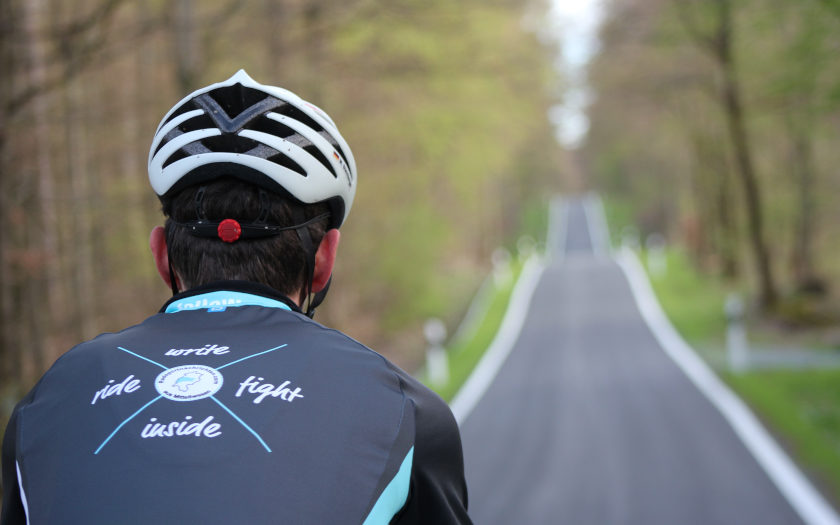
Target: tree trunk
<point>186,46</point>
<point>727,228</point>
<point>276,12</point>
<point>733,109</point>
<point>802,259</point>
<point>698,177</point>
<point>44,239</point>
<point>82,209</point>
<point>8,367</point>
<point>711,192</point>
<point>132,167</point>
<point>313,22</point>
<point>148,64</point>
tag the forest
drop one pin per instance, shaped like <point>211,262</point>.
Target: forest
<point>712,122</point>
<point>443,103</point>
<point>716,123</point>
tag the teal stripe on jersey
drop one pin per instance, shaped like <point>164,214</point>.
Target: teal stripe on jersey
<point>222,300</point>
<point>394,496</point>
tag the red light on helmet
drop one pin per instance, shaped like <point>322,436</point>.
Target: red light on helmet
<point>229,230</point>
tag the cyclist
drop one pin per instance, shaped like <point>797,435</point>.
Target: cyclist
<point>231,405</point>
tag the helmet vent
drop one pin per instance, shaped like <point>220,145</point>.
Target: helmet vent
<point>229,143</point>
<point>293,112</point>
<point>233,124</point>
<point>194,124</point>
<point>188,106</point>
<point>175,157</point>
<point>272,127</point>
<point>286,162</point>
<point>236,98</point>
<point>259,134</point>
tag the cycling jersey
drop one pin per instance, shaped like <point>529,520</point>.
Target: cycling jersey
<point>230,407</point>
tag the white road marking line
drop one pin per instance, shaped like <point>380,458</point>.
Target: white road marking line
<point>596,225</point>
<point>800,493</point>
<point>558,229</point>
<point>484,373</point>
<point>478,306</point>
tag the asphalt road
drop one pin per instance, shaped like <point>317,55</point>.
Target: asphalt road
<point>590,422</point>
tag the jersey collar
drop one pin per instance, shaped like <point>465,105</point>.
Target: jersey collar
<point>219,295</point>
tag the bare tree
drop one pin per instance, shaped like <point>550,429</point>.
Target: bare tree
<point>35,23</point>
<point>185,38</point>
<point>802,167</point>
<point>8,356</point>
<point>78,143</point>
<point>716,41</point>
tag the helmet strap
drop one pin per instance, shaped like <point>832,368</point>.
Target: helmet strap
<point>260,228</point>
<point>199,203</point>
<point>309,267</point>
<point>319,297</point>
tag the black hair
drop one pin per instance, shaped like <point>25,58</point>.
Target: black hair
<point>279,261</point>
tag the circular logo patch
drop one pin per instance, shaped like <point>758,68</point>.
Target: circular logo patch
<point>188,382</point>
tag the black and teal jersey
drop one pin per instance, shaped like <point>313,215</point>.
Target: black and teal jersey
<point>230,407</point>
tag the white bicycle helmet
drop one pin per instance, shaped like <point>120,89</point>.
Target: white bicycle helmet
<point>264,135</point>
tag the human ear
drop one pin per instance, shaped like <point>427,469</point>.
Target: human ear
<point>325,259</point>
<point>157,242</point>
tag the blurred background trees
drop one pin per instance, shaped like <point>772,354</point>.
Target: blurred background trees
<point>716,122</point>
<point>444,104</point>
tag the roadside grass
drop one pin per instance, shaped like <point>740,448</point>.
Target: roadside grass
<point>465,351</point>
<point>619,215</point>
<point>466,347</point>
<point>801,407</point>
<point>693,302</point>
<point>533,223</point>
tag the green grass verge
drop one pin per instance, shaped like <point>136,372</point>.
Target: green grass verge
<point>802,407</point>
<point>465,352</point>
<point>619,214</point>
<point>693,302</point>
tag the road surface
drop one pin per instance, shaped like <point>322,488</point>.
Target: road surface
<point>590,422</point>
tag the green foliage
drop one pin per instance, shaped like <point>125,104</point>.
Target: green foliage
<point>659,143</point>
<point>619,215</point>
<point>692,299</point>
<point>470,342</point>
<point>534,222</point>
<point>456,107</point>
<point>694,302</point>
<point>659,149</point>
<point>444,105</point>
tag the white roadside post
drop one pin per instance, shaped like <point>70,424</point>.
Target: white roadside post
<point>501,267</point>
<point>437,365</point>
<point>657,264</point>
<point>630,237</point>
<point>526,246</point>
<point>736,335</point>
